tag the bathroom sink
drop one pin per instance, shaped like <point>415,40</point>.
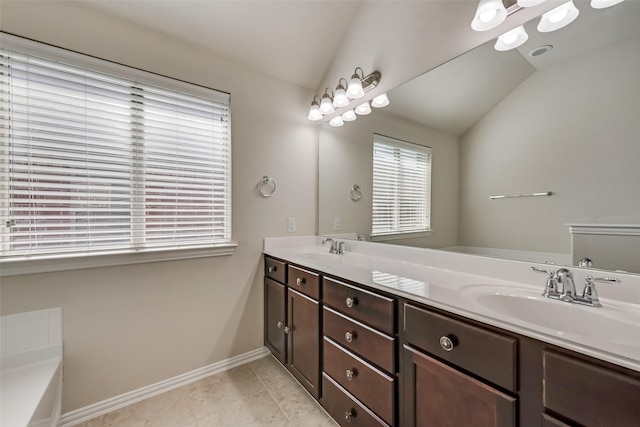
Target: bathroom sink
<point>612,323</point>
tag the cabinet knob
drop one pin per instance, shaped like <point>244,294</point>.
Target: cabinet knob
<point>287,330</point>
<point>351,302</point>
<point>350,336</point>
<point>272,268</point>
<point>280,324</point>
<point>349,415</point>
<point>447,343</point>
<point>300,281</point>
<point>351,373</point>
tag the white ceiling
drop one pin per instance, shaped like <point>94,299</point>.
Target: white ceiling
<point>295,41</point>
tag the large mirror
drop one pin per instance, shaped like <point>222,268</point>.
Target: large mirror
<point>560,114</point>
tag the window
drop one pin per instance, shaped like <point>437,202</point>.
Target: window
<point>401,187</point>
<point>101,158</point>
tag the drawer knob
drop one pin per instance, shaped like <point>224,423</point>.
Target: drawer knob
<point>287,330</point>
<point>300,281</point>
<point>350,336</point>
<point>280,324</point>
<point>349,415</point>
<point>351,373</point>
<point>272,268</point>
<point>351,302</point>
<point>447,343</point>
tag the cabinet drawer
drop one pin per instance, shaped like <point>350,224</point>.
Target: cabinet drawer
<point>277,270</point>
<point>487,354</point>
<point>371,386</point>
<point>304,281</point>
<point>589,394</point>
<point>344,408</point>
<point>368,343</point>
<point>367,307</point>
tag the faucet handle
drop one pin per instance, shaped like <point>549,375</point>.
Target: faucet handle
<point>551,287</point>
<point>589,294</point>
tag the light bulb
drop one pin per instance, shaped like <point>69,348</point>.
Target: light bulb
<point>340,98</point>
<point>314,112</point>
<point>349,116</point>
<point>336,121</point>
<point>559,17</point>
<point>380,101</point>
<point>363,109</point>
<point>601,4</point>
<point>489,14</point>
<point>511,39</point>
<point>326,107</point>
<point>354,90</point>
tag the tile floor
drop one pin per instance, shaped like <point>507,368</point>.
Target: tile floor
<point>260,393</point>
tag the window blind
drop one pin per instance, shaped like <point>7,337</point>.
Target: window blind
<point>94,161</point>
<point>401,187</point>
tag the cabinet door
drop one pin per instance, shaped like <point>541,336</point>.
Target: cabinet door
<point>438,395</point>
<point>275,318</point>
<point>303,356</point>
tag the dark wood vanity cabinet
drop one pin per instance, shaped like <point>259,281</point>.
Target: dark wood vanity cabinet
<point>292,320</point>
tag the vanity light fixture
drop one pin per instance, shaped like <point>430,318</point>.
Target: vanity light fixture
<point>349,116</point>
<point>511,39</point>
<point>363,109</point>
<point>489,14</point>
<point>380,101</point>
<point>326,105</point>
<point>314,111</point>
<point>336,121</point>
<point>355,89</point>
<point>601,4</point>
<point>559,17</point>
<point>340,99</point>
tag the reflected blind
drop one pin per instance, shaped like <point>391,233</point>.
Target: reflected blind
<point>100,162</point>
<point>401,187</point>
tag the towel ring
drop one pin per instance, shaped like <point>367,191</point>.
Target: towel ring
<point>355,193</point>
<point>266,186</point>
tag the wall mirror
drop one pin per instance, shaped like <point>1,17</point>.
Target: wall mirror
<point>559,114</point>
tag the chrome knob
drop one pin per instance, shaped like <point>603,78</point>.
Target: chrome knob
<point>272,268</point>
<point>351,373</point>
<point>280,324</point>
<point>447,343</point>
<point>287,330</point>
<point>300,281</point>
<point>348,415</point>
<point>351,302</point>
<point>349,336</point>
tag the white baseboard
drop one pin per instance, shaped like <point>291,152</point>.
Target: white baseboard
<point>117,402</point>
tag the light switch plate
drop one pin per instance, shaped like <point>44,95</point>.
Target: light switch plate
<point>291,225</point>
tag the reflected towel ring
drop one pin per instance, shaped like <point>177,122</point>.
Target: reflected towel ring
<point>355,193</point>
<point>266,186</point>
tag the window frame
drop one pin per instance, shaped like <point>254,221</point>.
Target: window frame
<point>131,255</point>
<point>397,234</point>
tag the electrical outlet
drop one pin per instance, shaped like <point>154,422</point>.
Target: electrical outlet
<point>337,223</point>
<point>291,225</point>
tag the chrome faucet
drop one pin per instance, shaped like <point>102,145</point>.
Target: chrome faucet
<point>560,286</point>
<point>336,247</point>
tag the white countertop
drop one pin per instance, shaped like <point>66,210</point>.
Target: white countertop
<point>450,281</point>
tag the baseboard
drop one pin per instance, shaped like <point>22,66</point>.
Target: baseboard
<point>100,408</point>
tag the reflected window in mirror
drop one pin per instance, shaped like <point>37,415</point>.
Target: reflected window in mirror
<point>401,188</point>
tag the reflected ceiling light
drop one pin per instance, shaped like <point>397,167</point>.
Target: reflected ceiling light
<point>336,121</point>
<point>314,111</point>
<point>511,39</point>
<point>559,17</point>
<point>529,3</point>
<point>326,105</point>
<point>355,89</point>
<point>363,109</point>
<point>349,116</point>
<point>489,14</point>
<point>380,101</point>
<point>340,98</point>
<point>601,4</point>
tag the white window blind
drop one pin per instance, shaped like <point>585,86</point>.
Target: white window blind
<point>95,161</point>
<point>401,187</point>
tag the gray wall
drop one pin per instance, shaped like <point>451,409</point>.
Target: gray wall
<point>572,129</point>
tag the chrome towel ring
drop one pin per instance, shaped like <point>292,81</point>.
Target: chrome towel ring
<point>355,193</point>
<point>266,186</point>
